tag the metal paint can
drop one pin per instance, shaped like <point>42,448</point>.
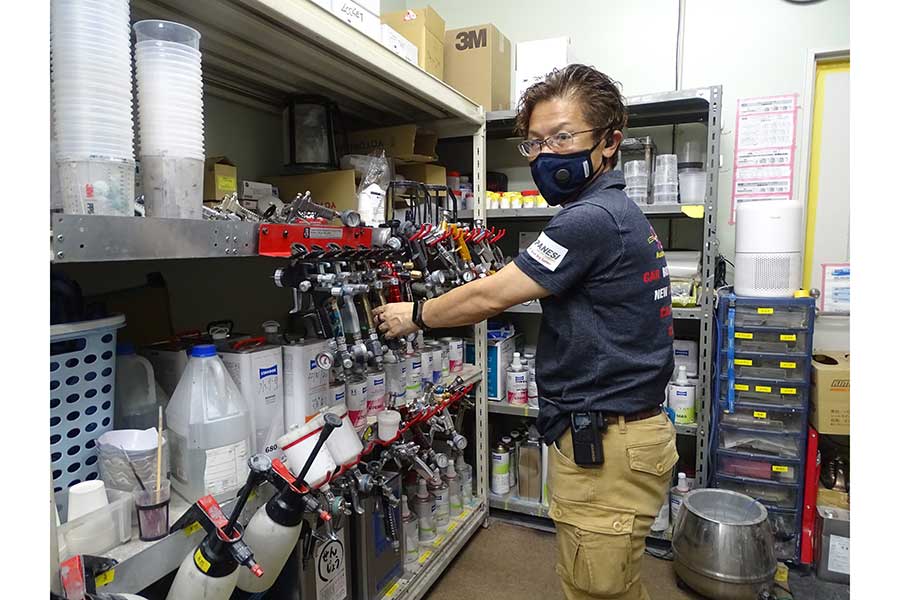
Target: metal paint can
<point>377,392</point>
<point>357,396</point>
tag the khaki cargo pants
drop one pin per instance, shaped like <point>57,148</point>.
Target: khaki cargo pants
<point>603,514</point>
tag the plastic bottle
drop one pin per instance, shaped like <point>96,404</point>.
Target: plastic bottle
<point>209,429</point>
<point>676,497</point>
<point>532,388</point>
<point>453,181</point>
<point>410,537</point>
<point>441,493</point>
<point>138,395</point>
<point>500,469</point>
<point>455,487</point>
<point>464,471</point>
<point>423,506</point>
<point>681,398</point>
<point>516,382</point>
<point>413,377</point>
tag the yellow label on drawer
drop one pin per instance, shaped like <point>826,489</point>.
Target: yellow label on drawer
<point>393,591</point>
<point>743,335</point>
<point>785,364</point>
<point>743,362</point>
<point>758,414</point>
<point>788,391</point>
<point>741,387</point>
<point>788,337</point>
<point>105,578</point>
<point>765,311</point>
<point>779,469</point>
<point>765,389</point>
<point>425,556</point>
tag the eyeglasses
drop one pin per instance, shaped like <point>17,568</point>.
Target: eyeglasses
<point>562,140</point>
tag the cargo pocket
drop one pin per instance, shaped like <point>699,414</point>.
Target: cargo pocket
<point>654,458</point>
<point>594,547</point>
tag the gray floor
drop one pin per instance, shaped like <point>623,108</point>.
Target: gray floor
<point>509,562</point>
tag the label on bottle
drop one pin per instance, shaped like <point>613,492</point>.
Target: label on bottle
<point>517,387</point>
<point>226,468</point>
<point>455,352</point>
<point>500,472</point>
<point>427,366</point>
<point>414,377</point>
<point>377,393</point>
<point>532,392</point>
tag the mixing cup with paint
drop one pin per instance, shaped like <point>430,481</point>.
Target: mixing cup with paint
<point>298,444</point>
<point>343,444</point>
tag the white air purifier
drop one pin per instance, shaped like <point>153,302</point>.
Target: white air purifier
<point>768,243</point>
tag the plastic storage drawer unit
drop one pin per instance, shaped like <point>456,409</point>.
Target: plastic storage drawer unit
<point>775,342</point>
<point>757,467</point>
<point>772,496</point>
<point>775,445</point>
<point>758,366</point>
<point>770,314</point>
<point>771,393</point>
<point>764,419</point>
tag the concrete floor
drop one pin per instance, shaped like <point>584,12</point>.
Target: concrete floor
<point>510,562</point>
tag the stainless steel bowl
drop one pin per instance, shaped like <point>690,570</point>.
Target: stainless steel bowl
<point>723,545</point>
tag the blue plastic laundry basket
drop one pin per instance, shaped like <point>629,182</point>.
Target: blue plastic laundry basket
<point>82,395</point>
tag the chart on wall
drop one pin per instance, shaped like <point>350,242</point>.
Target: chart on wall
<point>826,263</point>
<point>765,134</point>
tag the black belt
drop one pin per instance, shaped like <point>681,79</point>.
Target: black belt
<point>638,416</point>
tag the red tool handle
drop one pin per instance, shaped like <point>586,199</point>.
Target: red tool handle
<point>499,236</point>
<point>249,342</point>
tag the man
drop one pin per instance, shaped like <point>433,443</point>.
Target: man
<point>604,354</point>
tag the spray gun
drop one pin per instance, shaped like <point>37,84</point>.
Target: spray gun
<point>276,527</point>
<point>78,578</point>
<point>303,204</point>
<point>211,571</point>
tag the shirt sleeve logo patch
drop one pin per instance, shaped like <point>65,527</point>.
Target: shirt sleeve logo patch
<point>547,252</point>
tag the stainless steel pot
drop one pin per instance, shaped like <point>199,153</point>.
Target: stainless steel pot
<point>723,545</point>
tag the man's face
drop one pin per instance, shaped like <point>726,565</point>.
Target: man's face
<point>549,117</point>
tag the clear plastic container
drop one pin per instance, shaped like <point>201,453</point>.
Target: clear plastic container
<point>97,186</point>
<point>666,170</point>
<point>138,396</point>
<point>692,183</point>
<point>775,445</point>
<point>786,368</point>
<point>762,469</point>
<point>764,419</point>
<point>173,187</point>
<point>209,429</point>
<point>767,315</point>
<point>636,168</point>
<point>99,531</point>
<point>772,496</point>
<point>764,393</point>
<point>343,443</point>
<point>777,342</point>
<point>166,31</point>
<point>665,198</point>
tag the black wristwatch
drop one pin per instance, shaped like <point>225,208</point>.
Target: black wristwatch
<point>418,310</point>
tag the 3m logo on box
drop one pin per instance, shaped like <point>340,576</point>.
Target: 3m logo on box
<point>547,252</point>
<point>840,385</point>
<point>469,40</point>
<point>268,372</point>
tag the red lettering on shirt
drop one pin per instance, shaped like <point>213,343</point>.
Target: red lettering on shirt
<point>665,311</point>
<point>651,276</point>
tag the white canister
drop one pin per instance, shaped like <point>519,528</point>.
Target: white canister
<point>413,377</point>
<point>395,379</point>
<point>337,394</point>
<point>437,360</point>
<point>388,425</point>
<point>357,396</point>
<point>298,444</point>
<point>377,393</point>
<point>427,364</point>
<point>344,444</point>
<point>455,354</point>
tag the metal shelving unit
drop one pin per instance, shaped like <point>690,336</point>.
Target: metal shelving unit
<point>515,504</point>
<point>700,105</point>
<point>257,53</point>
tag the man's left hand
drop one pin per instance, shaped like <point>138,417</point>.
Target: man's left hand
<point>395,320</point>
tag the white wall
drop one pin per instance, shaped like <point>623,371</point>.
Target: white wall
<point>750,47</point>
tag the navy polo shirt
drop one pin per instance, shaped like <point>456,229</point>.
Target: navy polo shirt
<point>606,332</point>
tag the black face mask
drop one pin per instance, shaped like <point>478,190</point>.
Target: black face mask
<point>561,177</point>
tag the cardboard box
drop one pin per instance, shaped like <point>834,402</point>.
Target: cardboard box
<point>357,17</point>
<point>829,408</point>
<point>334,189</point>
<point>219,178</point>
<point>536,58</point>
<point>424,28</point>
<point>478,63</point>
<point>398,44</point>
<point>403,142</point>
<point>257,190</point>
<point>430,174</point>
<point>832,498</point>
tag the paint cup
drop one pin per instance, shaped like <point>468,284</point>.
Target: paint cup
<point>86,497</point>
<point>153,511</point>
<point>388,424</point>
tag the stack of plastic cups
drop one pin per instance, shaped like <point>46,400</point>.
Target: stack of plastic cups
<point>665,179</point>
<point>90,63</point>
<point>636,180</point>
<point>170,116</point>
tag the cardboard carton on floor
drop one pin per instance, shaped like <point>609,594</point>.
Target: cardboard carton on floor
<point>424,27</point>
<point>219,178</point>
<point>478,63</point>
<point>403,142</point>
<point>829,408</point>
<point>333,189</point>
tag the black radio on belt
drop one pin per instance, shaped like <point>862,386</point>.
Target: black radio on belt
<point>587,438</point>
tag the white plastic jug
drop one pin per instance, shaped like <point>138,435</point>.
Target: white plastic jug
<point>138,395</point>
<point>209,430</point>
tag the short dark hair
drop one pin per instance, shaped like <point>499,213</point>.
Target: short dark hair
<point>597,93</point>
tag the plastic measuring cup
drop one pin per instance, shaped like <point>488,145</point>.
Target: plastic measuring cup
<point>388,425</point>
<point>167,31</point>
